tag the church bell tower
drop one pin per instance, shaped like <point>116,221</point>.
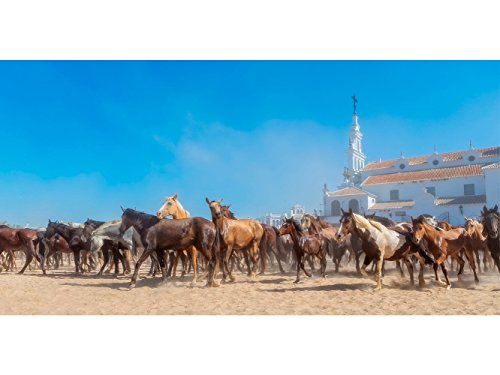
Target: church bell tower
<point>355,157</point>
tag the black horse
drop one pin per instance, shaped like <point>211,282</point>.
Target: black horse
<point>73,237</point>
<point>490,220</point>
<point>158,235</point>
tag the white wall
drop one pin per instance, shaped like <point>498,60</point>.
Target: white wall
<point>492,186</point>
<point>444,188</point>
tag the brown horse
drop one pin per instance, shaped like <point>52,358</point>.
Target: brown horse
<point>441,244</point>
<point>24,240</point>
<point>304,244</point>
<point>172,207</point>
<point>242,234</point>
<point>269,244</point>
<point>478,242</point>
<point>158,235</point>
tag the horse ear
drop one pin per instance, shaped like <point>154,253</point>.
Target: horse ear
<point>412,219</point>
<point>229,205</point>
<point>342,210</point>
<point>485,210</point>
<point>495,208</point>
<point>123,210</point>
<point>350,210</point>
<point>208,200</point>
<point>220,201</point>
<point>175,196</point>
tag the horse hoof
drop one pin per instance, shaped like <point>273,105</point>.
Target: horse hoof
<point>296,281</point>
<point>448,287</point>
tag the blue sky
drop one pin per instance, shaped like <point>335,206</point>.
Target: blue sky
<point>81,138</point>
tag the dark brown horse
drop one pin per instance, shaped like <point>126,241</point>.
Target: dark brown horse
<point>73,237</point>
<point>24,240</point>
<point>305,244</point>
<point>441,244</point>
<point>157,235</point>
<point>243,234</point>
<point>490,218</point>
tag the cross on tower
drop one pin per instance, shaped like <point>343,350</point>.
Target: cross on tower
<point>354,100</point>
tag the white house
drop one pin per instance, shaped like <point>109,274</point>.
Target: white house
<point>296,211</point>
<point>449,185</point>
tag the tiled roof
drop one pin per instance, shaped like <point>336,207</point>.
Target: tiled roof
<point>429,174</point>
<point>392,204</point>
<point>446,157</point>
<point>347,191</point>
<point>466,199</point>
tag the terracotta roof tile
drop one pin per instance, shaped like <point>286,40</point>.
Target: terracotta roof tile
<point>429,174</point>
<point>347,191</point>
<point>447,157</point>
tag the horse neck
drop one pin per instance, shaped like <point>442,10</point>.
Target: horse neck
<point>181,213</point>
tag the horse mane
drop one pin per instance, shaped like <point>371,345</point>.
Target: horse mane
<point>143,219</point>
<point>367,224</point>
<point>296,225</point>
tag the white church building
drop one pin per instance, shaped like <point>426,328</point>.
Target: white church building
<point>448,186</point>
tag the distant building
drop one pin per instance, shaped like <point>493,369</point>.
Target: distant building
<point>296,211</point>
<point>449,185</point>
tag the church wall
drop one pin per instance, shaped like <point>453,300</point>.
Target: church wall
<point>444,188</point>
<point>492,186</point>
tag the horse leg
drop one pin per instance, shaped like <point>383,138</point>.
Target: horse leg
<point>147,252</point>
<point>445,272</point>
<point>470,258</point>
<point>461,261</point>
<point>29,258</point>
<point>398,266</point>
<point>227,256</point>
<point>246,255</point>
<point>299,261</point>
<point>379,264</point>
<point>409,266</point>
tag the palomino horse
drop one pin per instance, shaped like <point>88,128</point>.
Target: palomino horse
<point>172,207</point>
<point>305,244</point>
<point>379,243</point>
<point>158,235</point>
<point>24,240</point>
<point>243,234</point>
<point>441,244</point>
<point>478,242</point>
<point>490,220</point>
<point>269,244</point>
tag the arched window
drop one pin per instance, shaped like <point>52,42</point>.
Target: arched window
<point>335,208</point>
<point>354,205</point>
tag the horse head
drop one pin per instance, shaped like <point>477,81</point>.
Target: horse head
<point>171,207</point>
<point>347,224</point>
<point>215,208</point>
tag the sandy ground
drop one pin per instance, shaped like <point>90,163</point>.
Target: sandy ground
<point>61,292</point>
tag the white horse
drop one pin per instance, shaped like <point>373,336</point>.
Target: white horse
<point>130,240</point>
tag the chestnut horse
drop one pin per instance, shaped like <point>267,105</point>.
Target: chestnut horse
<point>242,234</point>
<point>172,207</point>
<point>441,244</point>
<point>303,244</point>
<point>380,243</point>
<point>158,235</point>
<point>491,223</point>
<point>25,240</point>
<point>269,243</point>
<point>478,242</point>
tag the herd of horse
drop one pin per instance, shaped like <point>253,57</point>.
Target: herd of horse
<point>218,245</point>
